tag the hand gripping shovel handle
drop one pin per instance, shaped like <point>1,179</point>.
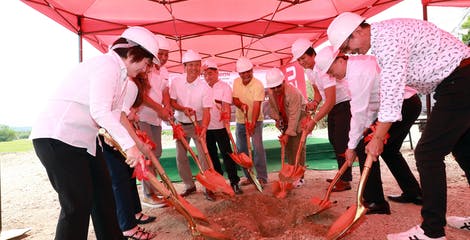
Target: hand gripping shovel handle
<point>355,212</point>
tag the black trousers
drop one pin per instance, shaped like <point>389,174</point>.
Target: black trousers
<point>83,185</point>
<point>447,130</point>
<point>392,156</point>
<point>220,138</point>
<point>339,121</point>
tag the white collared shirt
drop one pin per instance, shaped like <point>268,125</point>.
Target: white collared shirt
<point>158,82</point>
<point>414,53</point>
<point>363,77</point>
<point>196,95</point>
<point>324,81</point>
<point>222,92</point>
<point>91,96</point>
<point>131,95</point>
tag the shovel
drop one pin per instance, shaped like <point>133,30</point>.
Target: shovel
<point>281,186</point>
<point>248,143</point>
<point>325,203</point>
<point>288,173</point>
<point>217,179</point>
<point>242,159</point>
<point>294,173</point>
<point>204,177</point>
<point>196,213</point>
<point>355,212</point>
<point>196,229</point>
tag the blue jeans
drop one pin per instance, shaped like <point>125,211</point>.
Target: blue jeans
<point>259,156</point>
<point>124,186</point>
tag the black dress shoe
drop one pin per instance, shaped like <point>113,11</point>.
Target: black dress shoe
<point>341,186</point>
<point>418,200</point>
<point>188,191</point>
<point>377,208</point>
<point>209,195</point>
<point>236,188</point>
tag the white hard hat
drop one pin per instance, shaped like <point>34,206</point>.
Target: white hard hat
<point>244,64</point>
<point>299,47</point>
<point>342,27</point>
<point>274,77</point>
<point>144,38</point>
<point>163,43</point>
<point>325,58</point>
<point>190,56</point>
<point>209,64</point>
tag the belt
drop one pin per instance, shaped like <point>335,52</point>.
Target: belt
<point>182,123</point>
<point>465,62</point>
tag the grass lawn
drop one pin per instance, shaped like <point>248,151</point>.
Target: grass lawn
<point>22,145</point>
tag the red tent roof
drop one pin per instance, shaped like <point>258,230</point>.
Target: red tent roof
<point>224,30</point>
<point>446,3</point>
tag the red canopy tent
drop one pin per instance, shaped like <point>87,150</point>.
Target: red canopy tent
<point>224,30</point>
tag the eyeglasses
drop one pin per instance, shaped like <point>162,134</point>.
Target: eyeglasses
<point>345,46</point>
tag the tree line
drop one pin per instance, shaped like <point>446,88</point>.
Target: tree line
<point>9,134</point>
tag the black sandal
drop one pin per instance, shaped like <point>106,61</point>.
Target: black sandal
<point>148,220</point>
<point>141,234</point>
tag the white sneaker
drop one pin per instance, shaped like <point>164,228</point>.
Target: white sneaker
<point>299,183</point>
<point>415,233</point>
<point>154,202</point>
<point>459,222</point>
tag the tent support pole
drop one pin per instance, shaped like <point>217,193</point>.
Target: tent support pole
<point>80,40</point>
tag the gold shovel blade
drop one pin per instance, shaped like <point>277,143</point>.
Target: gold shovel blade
<point>192,210</point>
<point>346,221</point>
<point>321,205</point>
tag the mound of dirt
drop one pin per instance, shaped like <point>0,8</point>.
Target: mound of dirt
<point>28,200</point>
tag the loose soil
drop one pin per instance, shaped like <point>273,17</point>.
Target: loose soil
<point>28,200</point>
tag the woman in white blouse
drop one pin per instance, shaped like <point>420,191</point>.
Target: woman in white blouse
<point>64,136</point>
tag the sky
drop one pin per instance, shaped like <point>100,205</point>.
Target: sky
<point>38,52</point>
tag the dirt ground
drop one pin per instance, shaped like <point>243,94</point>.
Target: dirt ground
<point>28,200</point>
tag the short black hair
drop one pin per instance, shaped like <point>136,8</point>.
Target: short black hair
<point>310,51</point>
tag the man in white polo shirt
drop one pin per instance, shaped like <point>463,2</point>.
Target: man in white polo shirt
<point>190,96</point>
<point>220,116</point>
